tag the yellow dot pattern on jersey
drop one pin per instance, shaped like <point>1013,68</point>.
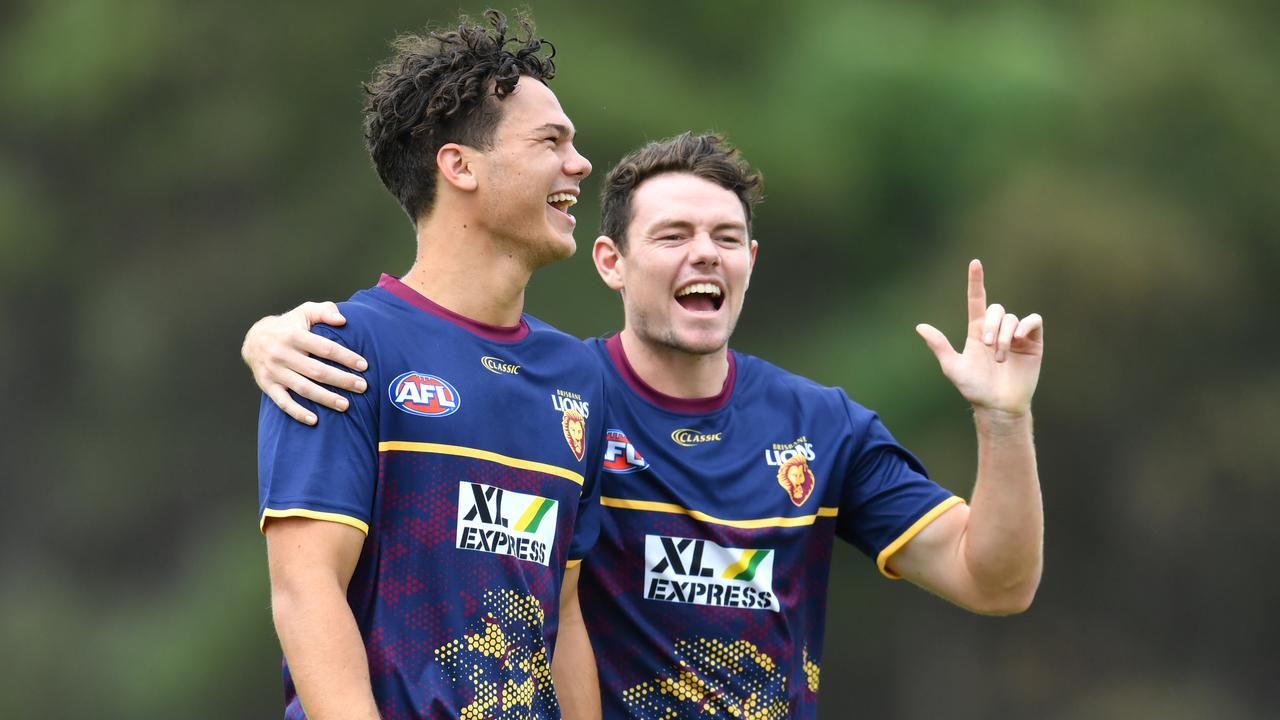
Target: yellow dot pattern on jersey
<point>811,671</point>
<point>714,678</point>
<point>503,659</point>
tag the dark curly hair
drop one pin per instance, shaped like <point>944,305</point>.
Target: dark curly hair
<point>708,156</point>
<point>444,87</point>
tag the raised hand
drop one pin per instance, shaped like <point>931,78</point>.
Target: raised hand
<point>1000,363</point>
<point>281,351</point>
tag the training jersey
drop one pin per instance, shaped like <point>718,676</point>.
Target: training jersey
<point>470,464</point>
<point>705,595</point>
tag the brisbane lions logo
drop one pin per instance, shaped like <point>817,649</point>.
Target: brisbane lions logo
<point>574,427</point>
<point>796,478</point>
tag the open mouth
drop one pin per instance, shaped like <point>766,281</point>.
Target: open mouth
<point>562,201</point>
<point>700,297</point>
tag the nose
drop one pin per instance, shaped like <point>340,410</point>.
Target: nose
<point>703,250</point>
<point>577,164</point>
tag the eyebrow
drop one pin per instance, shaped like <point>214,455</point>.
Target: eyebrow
<point>685,224</point>
<point>557,128</point>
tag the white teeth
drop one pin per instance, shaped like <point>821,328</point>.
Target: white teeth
<point>700,288</point>
<point>562,197</point>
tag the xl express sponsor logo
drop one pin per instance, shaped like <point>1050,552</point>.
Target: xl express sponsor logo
<point>700,572</point>
<point>503,522</point>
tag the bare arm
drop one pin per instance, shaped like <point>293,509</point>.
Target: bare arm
<point>281,351</point>
<point>311,562</point>
<point>988,556</point>
<point>573,667</point>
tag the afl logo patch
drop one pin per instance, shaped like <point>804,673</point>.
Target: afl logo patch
<point>620,456</point>
<point>419,393</point>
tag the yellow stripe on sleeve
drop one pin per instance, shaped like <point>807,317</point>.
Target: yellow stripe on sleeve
<point>356,523</point>
<point>883,558</point>
<point>440,449</point>
<point>650,506</point>
<point>573,564</point>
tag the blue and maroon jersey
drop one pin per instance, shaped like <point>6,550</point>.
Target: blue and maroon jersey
<point>705,595</point>
<point>471,465</point>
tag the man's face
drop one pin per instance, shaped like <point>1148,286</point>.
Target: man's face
<point>531,175</point>
<point>688,262</point>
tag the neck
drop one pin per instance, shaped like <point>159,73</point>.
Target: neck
<point>463,270</point>
<point>676,373</point>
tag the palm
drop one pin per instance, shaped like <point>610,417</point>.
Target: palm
<point>997,374</point>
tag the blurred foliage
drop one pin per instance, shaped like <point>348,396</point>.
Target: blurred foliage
<point>170,171</point>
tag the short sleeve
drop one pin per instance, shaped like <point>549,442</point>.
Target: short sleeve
<point>888,497</point>
<point>586,528</point>
<point>327,471</point>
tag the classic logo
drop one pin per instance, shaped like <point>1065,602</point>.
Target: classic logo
<point>499,366</point>
<point>688,438</point>
<point>700,572</point>
<point>419,393</point>
<point>503,522</point>
<point>620,456</point>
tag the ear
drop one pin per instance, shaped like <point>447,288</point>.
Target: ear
<point>754,246</point>
<point>453,161</point>
<point>609,262</point>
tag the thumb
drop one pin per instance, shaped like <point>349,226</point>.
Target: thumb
<point>936,341</point>
<point>331,314</point>
<point>321,312</point>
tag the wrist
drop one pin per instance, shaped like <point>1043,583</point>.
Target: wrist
<point>1001,422</point>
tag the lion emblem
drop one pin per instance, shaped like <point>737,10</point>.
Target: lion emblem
<point>796,478</point>
<point>575,431</point>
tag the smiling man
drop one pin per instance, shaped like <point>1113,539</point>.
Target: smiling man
<point>727,480</point>
<point>423,544</point>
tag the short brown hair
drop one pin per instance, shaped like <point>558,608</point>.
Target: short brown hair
<point>708,156</point>
<point>436,89</point>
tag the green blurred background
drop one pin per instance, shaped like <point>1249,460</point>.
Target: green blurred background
<point>169,171</point>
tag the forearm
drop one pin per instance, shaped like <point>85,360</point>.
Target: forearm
<point>326,654</point>
<point>1004,538</point>
<point>573,666</point>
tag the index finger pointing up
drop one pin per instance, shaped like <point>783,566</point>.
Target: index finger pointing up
<point>977,293</point>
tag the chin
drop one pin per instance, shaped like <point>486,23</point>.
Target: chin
<point>552,250</point>
<point>699,343</point>
<point>561,245</point>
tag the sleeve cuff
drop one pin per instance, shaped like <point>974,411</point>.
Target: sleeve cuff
<point>356,523</point>
<point>882,559</point>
